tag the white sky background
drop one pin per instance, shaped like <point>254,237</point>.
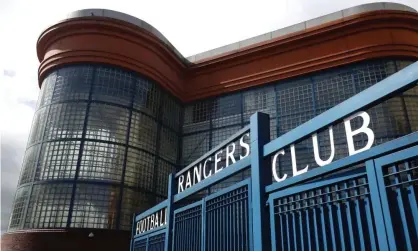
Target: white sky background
<point>191,26</point>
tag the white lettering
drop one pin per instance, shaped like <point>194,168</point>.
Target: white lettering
<point>318,159</point>
<point>244,145</point>
<point>180,186</point>
<point>138,228</point>
<point>294,165</point>
<point>197,174</point>
<point>217,160</point>
<point>204,169</point>
<point>156,220</point>
<point>363,129</point>
<point>152,222</point>
<point>230,155</point>
<point>188,180</point>
<point>274,168</point>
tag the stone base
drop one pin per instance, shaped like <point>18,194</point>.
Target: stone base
<point>65,240</point>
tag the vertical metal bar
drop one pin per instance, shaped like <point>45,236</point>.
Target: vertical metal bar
<point>288,232</point>
<point>358,217</point>
<point>234,225</point>
<point>324,232</point>
<point>331,218</point>
<point>412,197</point>
<point>169,213</point>
<point>283,232</point>
<point>385,235</point>
<point>147,244</point>
<point>273,233</point>
<point>370,222</point>
<point>340,219</point>
<point>231,224</point>
<point>401,208</point>
<point>302,243</point>
<point>295,241</point>
<point>315,229</point>
<point>242,225</point>
<point>260,178</point>
<point>308,228</point>
<point>203,226</point>
<point>217,228</point>
<point>210,227</point>
<point>349,218</point>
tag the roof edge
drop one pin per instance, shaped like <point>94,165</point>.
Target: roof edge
<point>230,48</point>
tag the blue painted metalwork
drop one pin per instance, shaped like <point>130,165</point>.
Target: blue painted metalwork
<point>367,201</point>
<point>261,176</point>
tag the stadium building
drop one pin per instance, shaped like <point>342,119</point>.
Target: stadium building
<point>120,109</point>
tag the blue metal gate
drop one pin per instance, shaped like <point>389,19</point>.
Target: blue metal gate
<point>226,219</point>
<point>352,210</point>
<point>364,201</point>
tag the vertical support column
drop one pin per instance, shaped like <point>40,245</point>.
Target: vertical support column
<point>125,156</point>
<point>169,213</point>
<point>260,177</point>
<point>385,240</point>
<point>80,152</point>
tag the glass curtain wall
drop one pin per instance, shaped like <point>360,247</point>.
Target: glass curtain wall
<point>104,140</point>
<point>292,102</point>
<point>102,144</point>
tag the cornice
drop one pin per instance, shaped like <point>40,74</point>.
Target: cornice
<point>369,35</point>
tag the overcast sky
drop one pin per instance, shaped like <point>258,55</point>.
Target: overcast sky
<point>191,26</point>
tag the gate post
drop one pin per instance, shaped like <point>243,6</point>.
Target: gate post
<point>169,213</point>
<point>261,176</point>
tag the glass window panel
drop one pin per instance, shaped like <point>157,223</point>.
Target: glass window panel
<point>20,201</point>
<point>47,89</point>
<point>411,104</point>
<point>143,132</point>
<point>260,100</point>
<point>171,113</point>
<point>295,97</point>
<point>49,206</point>
<point>73,83</point>
<point>169,145</point>
<point>133,202</point>
<point>109,123</point>
<point>113,85</point>
<point>29,164</point>
<point>227,110</point>
<point>147,97</point>
<point>164,170</point>
<point>333,88</point>
<point>194,146</point>
<point>102,161</point>
<point>140,169</point>
<point>65,120</point>
<point>58,160</point>
<point>38,126</point>
<point>197,116</point>
<point>368,74</point>
<point>95,206</point>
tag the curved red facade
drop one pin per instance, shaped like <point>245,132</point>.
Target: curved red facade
<point>369,35</point>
